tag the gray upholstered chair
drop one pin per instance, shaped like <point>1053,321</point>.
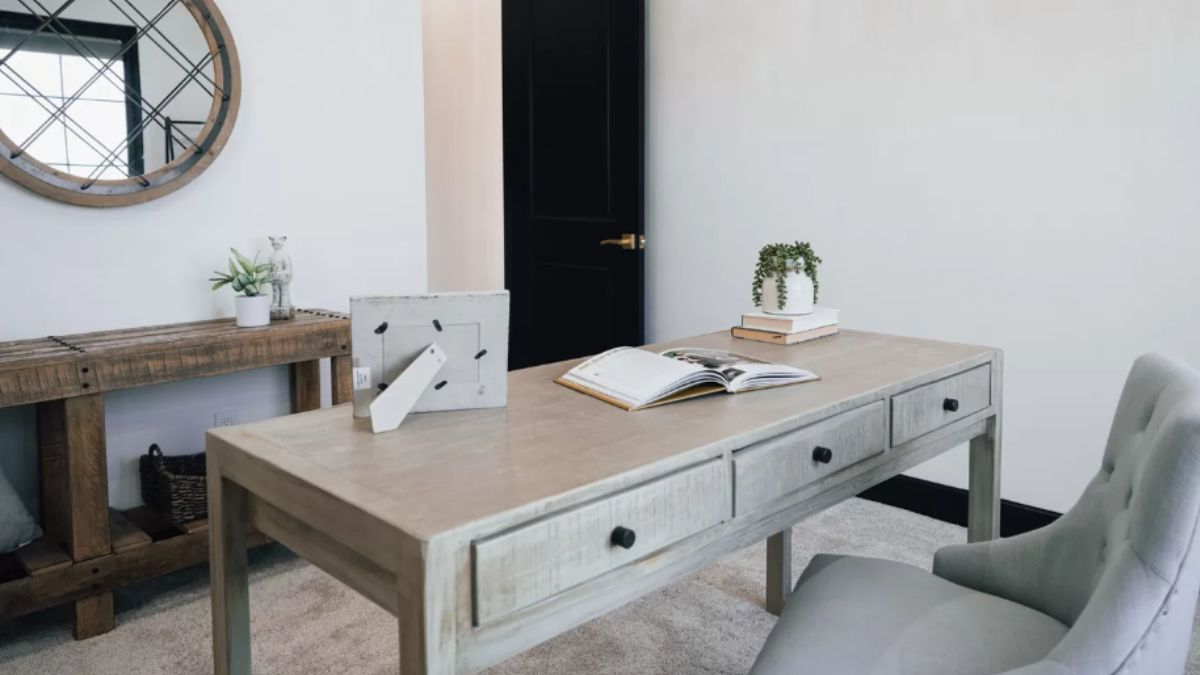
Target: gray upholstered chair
<point>1110,587</point>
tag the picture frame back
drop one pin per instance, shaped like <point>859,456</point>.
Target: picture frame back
<point>389,332</point>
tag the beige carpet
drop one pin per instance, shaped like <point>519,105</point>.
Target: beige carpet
<point>305,622</point>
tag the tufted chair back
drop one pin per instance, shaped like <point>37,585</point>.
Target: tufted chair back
<point>1120,568</point>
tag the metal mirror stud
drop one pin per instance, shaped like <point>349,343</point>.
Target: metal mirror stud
<point>113,102</point>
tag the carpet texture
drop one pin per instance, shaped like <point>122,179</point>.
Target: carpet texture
<point>304,622</point>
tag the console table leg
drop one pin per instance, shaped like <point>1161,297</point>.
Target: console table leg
<point>94,616</point>
<point>228,573</point>
<point>306,386</point>
<point>343,385</point>
<point>983,506</point>
<point>779,570</point>
<point>74,467</point>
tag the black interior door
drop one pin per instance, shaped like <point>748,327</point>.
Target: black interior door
<point>573,176</point>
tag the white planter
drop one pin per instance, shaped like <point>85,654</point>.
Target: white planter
<point>253,310</point>
<point>799,295</point>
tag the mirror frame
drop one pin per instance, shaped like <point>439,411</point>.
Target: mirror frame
<point>30,173</point>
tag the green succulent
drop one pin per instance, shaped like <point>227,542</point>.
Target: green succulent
<point>777,260</point>
<point>246,276</point>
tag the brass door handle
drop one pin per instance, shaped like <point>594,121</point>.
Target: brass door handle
<point>628,241</point>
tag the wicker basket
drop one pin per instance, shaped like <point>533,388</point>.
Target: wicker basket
<point>175,487</point>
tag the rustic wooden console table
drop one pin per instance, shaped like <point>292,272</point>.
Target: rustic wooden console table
<point>90,549</point>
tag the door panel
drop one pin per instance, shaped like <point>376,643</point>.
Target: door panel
<point>573,138</point>
<point>570,108</point>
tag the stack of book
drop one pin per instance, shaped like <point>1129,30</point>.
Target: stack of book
<point>782,329</point>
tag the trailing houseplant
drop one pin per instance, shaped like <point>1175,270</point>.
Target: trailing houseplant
<point>785,279</point>
<point>248,278</point>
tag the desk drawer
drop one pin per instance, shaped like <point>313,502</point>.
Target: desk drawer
<point>773,468</point>
<point>520,567</point>
<point>932,406</point>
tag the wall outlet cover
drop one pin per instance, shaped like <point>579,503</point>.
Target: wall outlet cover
<point>225,418</point>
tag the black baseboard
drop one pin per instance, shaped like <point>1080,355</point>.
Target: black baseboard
<point>949,504</point>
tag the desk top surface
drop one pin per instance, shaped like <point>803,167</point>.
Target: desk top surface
<point>443,471</point>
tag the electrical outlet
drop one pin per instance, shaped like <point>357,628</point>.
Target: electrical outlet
<point>224,418</point>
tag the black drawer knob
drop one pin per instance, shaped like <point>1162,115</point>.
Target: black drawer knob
<point>822,454</point>
<point>950,405</point>
<point>623,537</point>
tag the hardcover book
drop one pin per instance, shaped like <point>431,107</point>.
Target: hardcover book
<point>783,338</point>
<point>634,379</point>
<point>779,323</point>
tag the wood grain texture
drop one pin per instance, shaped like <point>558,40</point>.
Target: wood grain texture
<point>43,557</point>
<point>306,386</point>
<point>341,374</point>
<point>75,498</point>
<point>518,568</point>
<point>66,376</point>
<point>486,568</point>
<point>79,580</point>
<point>983,496</point>
<point>427,631</point>
<point>521,630</point>
<point>923,409</point>
<point>551,447</point>
<point>771,469</point>
<point>339,561</point>
<point>227,507</point>
<point>52,462</point>
<point>94,615</point>
<point>45,369</point>
<point>779,570</point>
<point>125,535</point>
<point>87,477</point>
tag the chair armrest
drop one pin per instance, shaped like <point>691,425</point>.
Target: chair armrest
<point>994,566</point>
<point>1033,569</point>
<point>1009,568</point>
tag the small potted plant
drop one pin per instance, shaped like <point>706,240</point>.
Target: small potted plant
<point>247,278</point>
<point>785,280</point>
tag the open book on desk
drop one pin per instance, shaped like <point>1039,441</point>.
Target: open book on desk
<point>634,378</point>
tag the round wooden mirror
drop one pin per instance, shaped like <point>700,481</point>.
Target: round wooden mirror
<point>113,102</point>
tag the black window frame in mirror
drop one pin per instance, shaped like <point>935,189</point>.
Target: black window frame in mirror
<point>136,160</point>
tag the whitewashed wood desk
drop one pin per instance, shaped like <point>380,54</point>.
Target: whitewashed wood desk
<point>487,532</point>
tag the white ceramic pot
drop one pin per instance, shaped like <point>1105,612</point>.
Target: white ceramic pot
<point>253,310</point>
<point>799,295</point>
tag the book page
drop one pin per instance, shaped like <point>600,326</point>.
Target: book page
<point>633,376</point>
<point>740,372</point>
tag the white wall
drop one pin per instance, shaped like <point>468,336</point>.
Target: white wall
<point>1013,173</point>
<point>328,150</point>
<point>465,145</point>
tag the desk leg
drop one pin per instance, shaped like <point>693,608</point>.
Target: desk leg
<point>779,570</point>
<point>427,627</point>
<point>227,570</point>
<point>983,509</point>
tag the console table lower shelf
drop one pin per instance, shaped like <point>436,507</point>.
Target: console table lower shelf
<point>42,575</point>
